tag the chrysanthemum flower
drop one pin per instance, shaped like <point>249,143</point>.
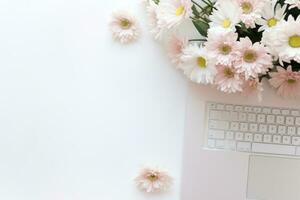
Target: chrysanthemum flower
<point>252,87</point>
<point>222,46</point>
<point>286,82</point>
<point>171,13</point>
<point>175,49</point>
<point>252,59</point>
<point>228,80</point>
<point>155,29</point>
<point>124,27</point>
<point>272,13</point>
<point>293,3</point>
<point>227,15</point>
<point>153,180</point>
<point>287,42</point>
<point>197,65</point>
<point>251,10</point>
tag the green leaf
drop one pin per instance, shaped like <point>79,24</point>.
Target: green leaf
<point>156,1</point>
<point>195,11</point>
<point>201,27</point>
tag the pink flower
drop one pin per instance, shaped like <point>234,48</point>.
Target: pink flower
<point>286,82</point>
<point>222,46</point>
<point>124,27</point>
<point>252,87</point>
<point>251,11</point>
<point>228,80</point>
<point>252,59</point>
<point>153,180</point>
<point>176,45</point>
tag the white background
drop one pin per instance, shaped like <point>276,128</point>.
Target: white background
<point>79,113</point>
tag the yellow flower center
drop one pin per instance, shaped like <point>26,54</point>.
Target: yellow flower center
<point>294,41</point>
<point>247,7</point>
<point>249,56</point>
<point>291,81</point>
<point>228,72</point>
<point>179,10</point>
<point>226,23</point>
<point>152,177</point>
<point>201,62</point>
<point>225,49</point>
<point>272,22</point>
<point>125,23</point>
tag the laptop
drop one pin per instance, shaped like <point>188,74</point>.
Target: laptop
<point>250,167</point>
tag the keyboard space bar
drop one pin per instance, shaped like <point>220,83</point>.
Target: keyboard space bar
<point>273,148</point>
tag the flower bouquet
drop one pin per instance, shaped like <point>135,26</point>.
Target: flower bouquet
<point>240,42</point>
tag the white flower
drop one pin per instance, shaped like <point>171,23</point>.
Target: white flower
<point>222,46</point>
<point>171,13</point>
<point>251,10</point>
<point>197,65</point>
<point>293,3</point>
<point>153,180</point>
<point>287,42</point>
<point>124,27</point>
<point>227,15</point>
<point>155,29</point>
<point>272,13</point>
<point>253,59</point>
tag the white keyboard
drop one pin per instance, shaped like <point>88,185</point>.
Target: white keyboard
<point>253,129</point>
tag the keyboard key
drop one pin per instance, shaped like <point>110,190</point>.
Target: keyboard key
<point>243,126</point>
<point>242,117</point>
<point>282,130</point>
<point>230,144</point>
<point>277,139</point>
<point>238,108</point>
<point>229,135</point>
<point>276,111</point>
<point>243,146</point>
<point>266,110</point>
<point>220,107</point>
<point>229,107</point>
<point>253,127</point>
<point>234,126</point>
<point>295,112</point>
<point>273,148</point>
<point>239,136</point>
<point>297,122</point>
<point>289,120</point>
<point>251,117</point>
<point>291,130</point>
<point>298,151</point>
<point>263,128</point>
<point>286,139</point>
<point>257,109</point>
<point>285,112</point>
<point>249,137</point>
<point>270,119</point>
<point>272,129</point>
<point>215,114</point>
<point>211,143</point>
<point>258,138</point>
<point>220,144</point>
<point>279,119</point>
<point>296,141</point>
<point>267,138</point>
<point>248,109</point>
<point>216,134</point>
<point>261,118</point>
<point>298,131</point>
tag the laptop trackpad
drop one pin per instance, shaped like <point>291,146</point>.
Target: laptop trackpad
<point>272,178</point>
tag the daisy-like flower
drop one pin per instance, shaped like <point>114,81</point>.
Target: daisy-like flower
<point>124,27</point>
<point>197,65</point>
<point>253,59</point>
<point>155,29</point>
<point>286,82</point>
<point>171,13</point>
<point>222,46</point>
<point>175,49</point>
<point>272,13</point>
<point>293,3</point>
<point>228,80</point>
<point>252,87</point>
<point>251,10</point>
<point>227,15</point>
<point>153,180</point>
<point>287,42</point>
